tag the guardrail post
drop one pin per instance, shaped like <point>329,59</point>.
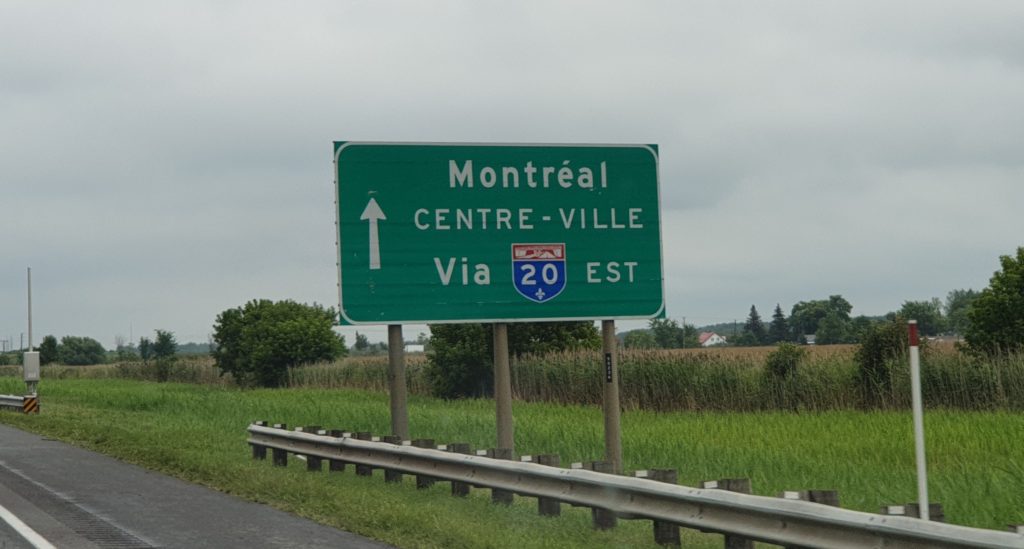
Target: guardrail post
<point>280,456</point>
<point>423,481</point>
<point>739,485</point>
<point>391,475</point>
<point>549,507</point>
<point>665,533</point>
<point>460,489</point>
<point>935,512</point>
<point>603,519</point>
<point>259,451</point>
<point>313,463</point>
<point>503,497</point>
<point>364,470</point>
<point>335,465</point>
<point>824,497</point>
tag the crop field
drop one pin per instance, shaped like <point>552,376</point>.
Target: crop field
<point>722,379</point>
<point>698,380</point>
<point>197,432</point>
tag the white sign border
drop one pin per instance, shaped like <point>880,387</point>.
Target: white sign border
<point>337,226</point>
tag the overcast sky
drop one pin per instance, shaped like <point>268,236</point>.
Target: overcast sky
<point>162,162</point>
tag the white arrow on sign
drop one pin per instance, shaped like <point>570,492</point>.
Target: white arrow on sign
<point>373,213</point>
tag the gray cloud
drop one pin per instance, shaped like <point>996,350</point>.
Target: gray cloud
<point>163,163</point>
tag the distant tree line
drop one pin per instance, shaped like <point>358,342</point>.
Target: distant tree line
<point>823,321</point>
<point>85,351</point>
<point>362,346</point>
<point>829,320</point>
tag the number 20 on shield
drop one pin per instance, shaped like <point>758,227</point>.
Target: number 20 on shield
<point>538,270</point>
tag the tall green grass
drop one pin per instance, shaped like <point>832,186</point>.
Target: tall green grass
<point>721,380</point>
<point>726,380</point>
<point>368,372</point>
<point>660,380</point>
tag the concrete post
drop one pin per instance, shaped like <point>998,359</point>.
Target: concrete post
<point>396,382</point>
<point>503,388</point>
<point>612,412</point>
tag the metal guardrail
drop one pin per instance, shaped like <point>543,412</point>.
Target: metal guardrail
<point>11,402</point>
<point>772,520</point>
<point>28,404</point>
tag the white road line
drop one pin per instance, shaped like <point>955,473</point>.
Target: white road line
<point>30,535</point>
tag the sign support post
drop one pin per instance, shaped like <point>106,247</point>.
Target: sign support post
<point>396,382</point>
<point>612,412</point>
<point>915,393</point>
<point>503,387</point>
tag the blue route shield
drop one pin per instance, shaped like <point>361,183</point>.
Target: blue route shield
<point>538,270</point>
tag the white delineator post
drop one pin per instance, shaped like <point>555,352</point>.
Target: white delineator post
<point>918,406</point>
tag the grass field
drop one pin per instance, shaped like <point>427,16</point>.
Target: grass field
<point>197,432</point>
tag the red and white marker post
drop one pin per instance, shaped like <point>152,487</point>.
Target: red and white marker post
<point>918,406</point>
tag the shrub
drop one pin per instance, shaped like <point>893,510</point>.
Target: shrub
<point>780,376</point>
<point>259,342</point>
<point>783,361</point>
<point>80,351</point>
<point>881,345</point>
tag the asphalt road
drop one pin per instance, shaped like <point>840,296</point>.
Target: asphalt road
<point>75,499</point>
<point>10,539</point>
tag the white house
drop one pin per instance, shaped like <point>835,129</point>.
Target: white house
<point>710,339</point>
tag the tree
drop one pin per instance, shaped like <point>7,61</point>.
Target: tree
<point>778,329</point>
<point>745,339</point>
<point>928,315</point>
<point>958,305</point>
<point>997,314</point>
<point>639,339</point>
<point>362,342</point>
<point>260,341</point>
<point>667,333</point>
<point>806,315</point>
<point>145,349</point>
<point>859,327</point>
<point>80,351</point>
<point>165,347</point>
<point>831,330</point>
<point>48,350</point>
<point>460,362</point>
<point>126,352</point>
<point>754,332</point>
<point>691,338</point>
<point>546,337</point>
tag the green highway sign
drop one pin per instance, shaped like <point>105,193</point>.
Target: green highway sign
<point>497,233</point>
